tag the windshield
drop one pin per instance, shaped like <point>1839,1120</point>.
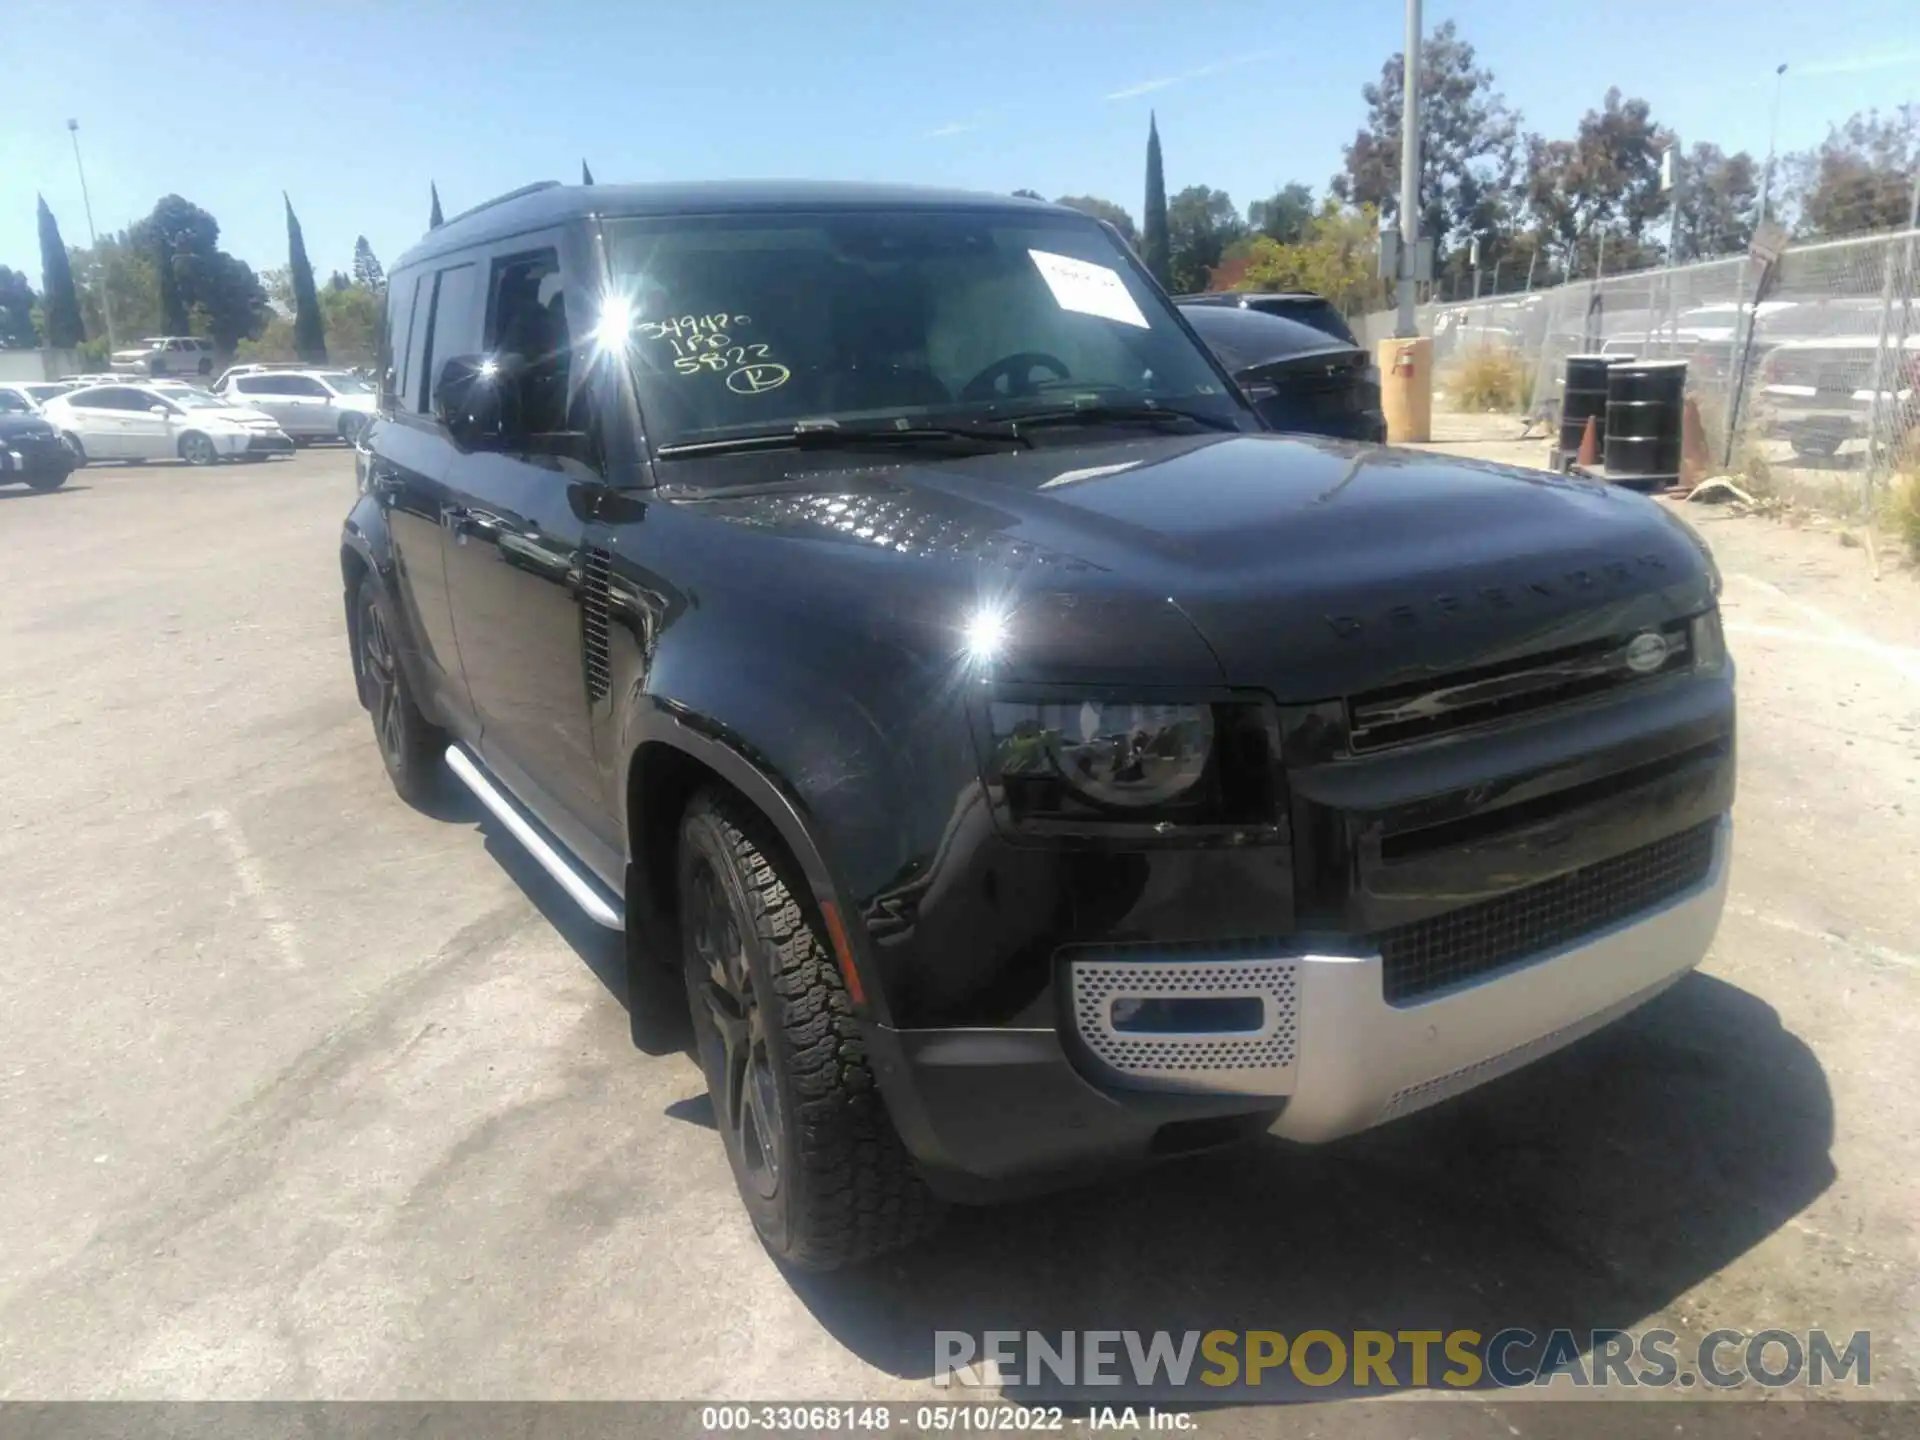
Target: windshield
<point>342,383</point>
<point>750,323</point>
<point>196,400</point>
<point>12,403</point>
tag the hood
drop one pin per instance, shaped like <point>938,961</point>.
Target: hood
<point>1309,567</point>
<point>14,423</point>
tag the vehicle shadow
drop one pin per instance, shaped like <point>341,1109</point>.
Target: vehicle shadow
<point>22,492</point>
<point>656,998</point>
<point>1587,1191</point>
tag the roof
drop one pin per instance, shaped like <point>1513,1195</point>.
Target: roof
<point>535,207</point>
<point>1244,338</point>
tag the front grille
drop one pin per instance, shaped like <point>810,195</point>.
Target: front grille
<point>1448,704</point>
<point>1432,954</point>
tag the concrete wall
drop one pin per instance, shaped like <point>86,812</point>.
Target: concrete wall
<point>39,364</point>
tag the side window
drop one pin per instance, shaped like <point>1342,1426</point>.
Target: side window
<point>528,317</point>
<point>453,330</point>
<point>115,397</point>
<point>412,358</point>
<point>303,385</point>
<point>251,384</point>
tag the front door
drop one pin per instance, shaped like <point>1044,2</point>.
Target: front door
<point>516,533</point>
<point>406,461</point>
<point>145,435</point>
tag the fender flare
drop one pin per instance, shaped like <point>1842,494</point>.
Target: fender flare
<point>659,721</point>
<point>371,547</point>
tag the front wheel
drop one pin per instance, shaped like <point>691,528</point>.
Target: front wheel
<point>48,481</point>
<point>409,747</point>
<point>813,1151</point>
<point>197,449</point>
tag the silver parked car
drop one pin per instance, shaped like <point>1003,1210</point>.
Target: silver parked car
<point>317,404</point>
<point>166,355</point>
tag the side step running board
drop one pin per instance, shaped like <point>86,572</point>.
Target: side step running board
<point>584,892</point>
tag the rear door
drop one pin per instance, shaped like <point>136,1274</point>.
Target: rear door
<point>262,392</point>
<point>99,417</point>
<point>406,461</point>
<point>308,406</point>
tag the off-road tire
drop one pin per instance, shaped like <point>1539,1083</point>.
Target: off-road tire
<point>412,749</point>
<point>847,1189</point>
<point>44,482</point>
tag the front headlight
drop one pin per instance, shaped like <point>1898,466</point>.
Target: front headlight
<point>1127,756</point>
<point>1708,641</point>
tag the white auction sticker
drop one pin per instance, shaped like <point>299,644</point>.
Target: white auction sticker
<point>1088,289</point>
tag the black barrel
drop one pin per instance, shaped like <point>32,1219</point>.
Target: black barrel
<point>1646,400</point>
<point>1585,395</point>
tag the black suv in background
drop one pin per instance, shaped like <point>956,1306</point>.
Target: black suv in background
<point>880,605</point>
<point>30,448</point>
<point>1301,306</point>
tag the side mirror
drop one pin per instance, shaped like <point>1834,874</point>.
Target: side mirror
<point>475,399</point>
<point>157,410</point>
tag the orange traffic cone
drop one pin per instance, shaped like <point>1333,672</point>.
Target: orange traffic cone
<point>1589,453</point>
<point>1695,461</point>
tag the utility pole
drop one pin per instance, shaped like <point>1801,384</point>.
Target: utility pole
<point>106,296</point>
<point>1773,133</point>
<point>1409,174</point>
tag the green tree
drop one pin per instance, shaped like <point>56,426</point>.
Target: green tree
<point>1153,221</point>
<point>1028,195</point>
<point>1284,215</point>
<point>435,219</point>
<point>1114,215</point>
<point>1469,145</point>
<point>352,316</point>
<point>182,240</point>
<point>65,329</point>
<point>366,267</point>
<point>1605,182</point>
<point>126,271</point>
<point>1719,202</point>
<point>1862,175</point>
<point>1338,258</point>
<point>17,301</point>
<point>309,330</point>
<point>1201,224</point>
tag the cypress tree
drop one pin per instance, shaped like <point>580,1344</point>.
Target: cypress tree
<point>435,220</point>
<point>309,333</point>
<point>61,306</point>
<point>586,175</point>
<point>1153,228</point>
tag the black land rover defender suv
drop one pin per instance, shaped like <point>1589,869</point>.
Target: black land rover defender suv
<point>880,605</point>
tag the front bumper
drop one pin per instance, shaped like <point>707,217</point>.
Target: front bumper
<point>262,443</point>
<point>991,1113</point>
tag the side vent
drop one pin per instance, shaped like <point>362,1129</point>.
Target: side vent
<point>593,623</point>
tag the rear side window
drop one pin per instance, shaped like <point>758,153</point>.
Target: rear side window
<point>453,330</point>
<point>410,328</point>
<point>254,385</point>
<point>303,385</point>
<point>529,318</point>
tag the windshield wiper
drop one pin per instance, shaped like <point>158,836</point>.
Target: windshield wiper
<point>832,435</point>
<point>1145,412</point>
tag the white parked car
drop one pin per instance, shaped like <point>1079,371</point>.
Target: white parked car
<point>162,422</point>
<point>319,404</point>
<point>166,355</point>
<point>36,392</point>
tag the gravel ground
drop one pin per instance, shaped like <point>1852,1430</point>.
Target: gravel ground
<point>311,1095</point>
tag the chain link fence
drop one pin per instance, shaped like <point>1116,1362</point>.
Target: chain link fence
<point>1810,366</point>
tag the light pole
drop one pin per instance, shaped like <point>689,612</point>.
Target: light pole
<point>1773,131</point>
<point>106,297</point>
<point>1409,174</point>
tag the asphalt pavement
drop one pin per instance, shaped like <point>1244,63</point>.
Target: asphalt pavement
<point>309,1094</point>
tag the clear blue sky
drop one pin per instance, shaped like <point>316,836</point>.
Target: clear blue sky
<point>352,105</point>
